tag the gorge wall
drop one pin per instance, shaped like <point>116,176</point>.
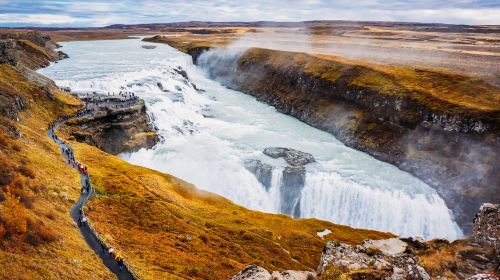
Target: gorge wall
<point>439,127</point>
<point>115,128</point>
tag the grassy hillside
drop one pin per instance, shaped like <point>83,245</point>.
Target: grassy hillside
<point>38,239</point>
<point>167,228</point>
<point>436,91</point>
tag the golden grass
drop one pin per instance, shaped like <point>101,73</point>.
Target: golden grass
<point>46,243</point>
<point>150,217</point>
<point>441,258</point>
<point>434,90</point>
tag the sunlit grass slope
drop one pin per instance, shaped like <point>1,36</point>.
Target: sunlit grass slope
<point>168,229</point>
<point>38,239</point>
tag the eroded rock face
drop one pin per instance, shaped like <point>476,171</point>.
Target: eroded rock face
<point>293,177</point>
<point>366,257</point>
<point>254,272</point>
<point>262,171</point>
<point>8,52</point>
<point>486,230</point>
<point>31,49</point>
<point>116,130</point>
<point>11,105</point>
<point>293,181</point>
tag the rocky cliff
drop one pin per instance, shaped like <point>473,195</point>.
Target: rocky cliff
<point>116,127</point>
<point>442,128</point>
<point>31,49</point>
<point>486,229</point>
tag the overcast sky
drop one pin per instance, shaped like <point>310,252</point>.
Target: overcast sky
<point>66,13</point>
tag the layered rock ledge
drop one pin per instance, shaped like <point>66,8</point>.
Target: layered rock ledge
<point>115,126</point>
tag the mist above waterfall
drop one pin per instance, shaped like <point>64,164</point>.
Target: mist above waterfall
<point>211,132</point>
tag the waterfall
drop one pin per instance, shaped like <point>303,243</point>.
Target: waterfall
<point>210,133</point>
<point>328,196</point>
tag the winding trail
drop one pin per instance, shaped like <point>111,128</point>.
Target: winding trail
<point>86,229</point>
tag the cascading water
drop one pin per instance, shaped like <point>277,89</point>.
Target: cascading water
<point>210,132</point>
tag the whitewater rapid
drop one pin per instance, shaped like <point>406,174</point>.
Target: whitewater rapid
<point>209,131</point>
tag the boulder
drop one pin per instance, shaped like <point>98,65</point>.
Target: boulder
<point>390,247</point>
<point>255,272</point>
<point>486,229</point>
<point>348,258</point>
<point>291,156</point>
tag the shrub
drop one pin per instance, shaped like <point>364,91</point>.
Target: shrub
<point>16,147</point>
<point>26,171</point>
<point>13,217</point>
<point>6,172</point>
<point>38,233</point>
<point>38,188</point>
<point>51,215</point>
<point>3,140</point>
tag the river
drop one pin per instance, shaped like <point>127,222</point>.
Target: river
<point>209,132</point>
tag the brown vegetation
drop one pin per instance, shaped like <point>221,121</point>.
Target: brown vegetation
<point>452,260</point>
<point>38,239</point>
<point>166,228</point>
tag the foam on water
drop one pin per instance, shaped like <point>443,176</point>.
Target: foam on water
<point>207,136</point>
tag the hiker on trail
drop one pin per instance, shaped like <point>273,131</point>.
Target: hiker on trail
<point>103,247</point>
<point>80,221</point>
<point>84,220</point>
<point>111,252</point>
<point>120,262</point>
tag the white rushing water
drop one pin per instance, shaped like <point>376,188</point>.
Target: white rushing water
<point>208,135</point>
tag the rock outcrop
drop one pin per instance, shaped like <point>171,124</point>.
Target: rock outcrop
<point>486,229</point>
<point>451,147</point>
<point>293,178</point>
<point>26,52</point>
<point>8,52</point>
<point>254,272</point>
<point>31,49</point>
<point>371,260</point>
<point>116,129</point>
<point>291,156</point>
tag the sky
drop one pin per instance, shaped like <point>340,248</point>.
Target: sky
<point>98,13</point>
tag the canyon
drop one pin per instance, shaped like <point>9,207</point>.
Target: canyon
<point>166,227</point>
<point>433,125</point>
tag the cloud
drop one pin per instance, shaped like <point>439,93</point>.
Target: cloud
<point>45,19</point>
<point>99,12</point>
